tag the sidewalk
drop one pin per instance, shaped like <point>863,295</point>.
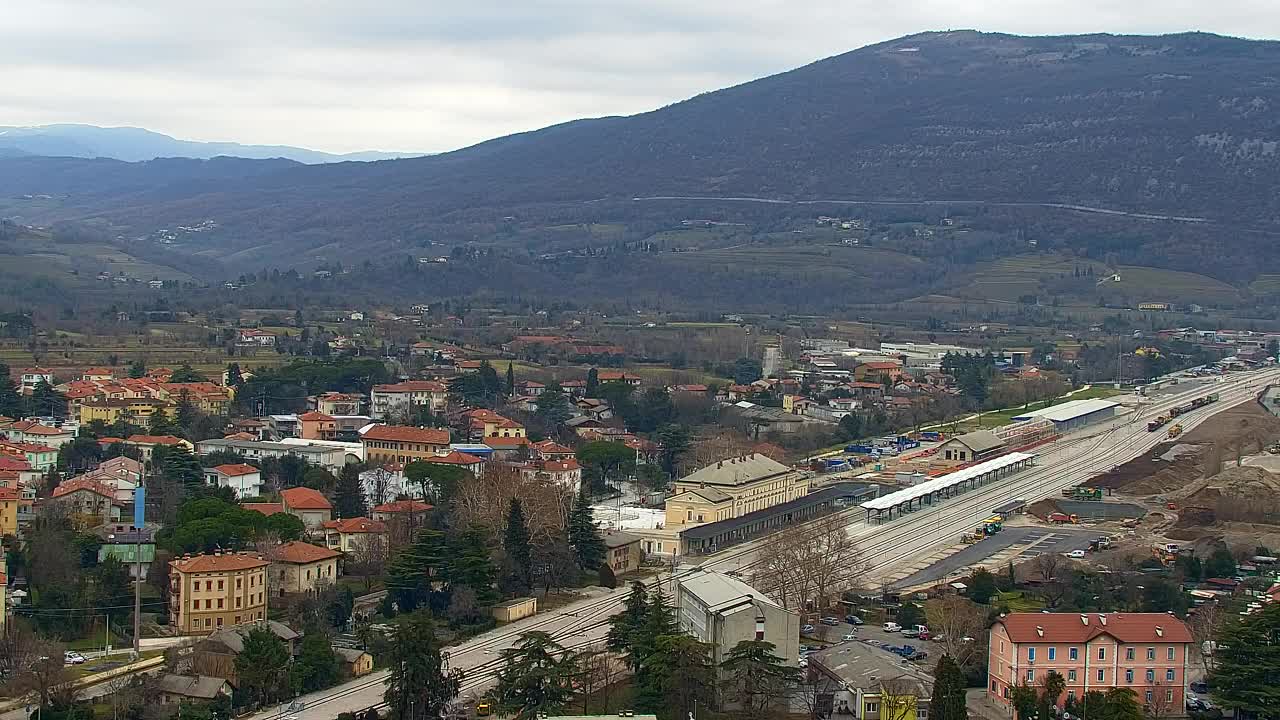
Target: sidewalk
<point>982,707</point>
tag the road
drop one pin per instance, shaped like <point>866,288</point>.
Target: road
<point>886,546</point>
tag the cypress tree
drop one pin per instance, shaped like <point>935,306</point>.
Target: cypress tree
<point>584,536</point>
<point>519,549</point>
<point>948,701</point>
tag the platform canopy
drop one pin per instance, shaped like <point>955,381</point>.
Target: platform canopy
<point>927,488</point>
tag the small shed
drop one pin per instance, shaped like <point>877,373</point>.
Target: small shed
<point>513,610</point>
<point>355,662</point>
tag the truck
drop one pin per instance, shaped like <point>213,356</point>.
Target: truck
<point>930,435</point>
<point>859,449</point>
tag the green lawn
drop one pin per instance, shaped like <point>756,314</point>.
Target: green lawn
<point>1017,601</point>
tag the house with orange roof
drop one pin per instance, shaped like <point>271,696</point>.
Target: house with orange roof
<point>98,374</point>
<point>92,501</point>
<point>490,424</point>
<point>401,400</point>
<point>566,474</point>
<point>38,456</point>
<point>255,337</point>
<point>605,376</point>
<point>146,444</point>
<point>308,505</point>
<point>551,450</point>
<point>315,425</point>
<point>457,458</point>
<point>298,567</point>
<point>336,403</point>
<point>505,448</point>
<point>30,431</point>
<point>387,512</point>
<point>883,370</point>
<point>212,591</point>
<point>402,443</point>
<point>209,398</point>
<point>30,377</point>
<point>244,480</point>
<point>468,366</point>
<point>266,508</point>
<point>352,534</point>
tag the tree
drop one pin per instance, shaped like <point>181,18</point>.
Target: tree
<point>603,461</point>
<point>511,380</point>
<point>910,615</point>
<point>348,498</point>
<point>263,666</point>
<point>625,625</point>
<point>1205,623</point>
<point>746,370</point>
<point>420,684</point>
<point>439,482</point>
<point>186,414</point>
<point>811,564</point>
<point>1221,563</point>
<point>593,382</point>
<point>45,400</point>
<point>851,426</point>
<point>954,621</point>
<point>1122,704</point>
<point>519,550</point>
<point>186,374</point>
<point>658,621</point>
<point>948,701</point>
<point>234,378</point>
<point>181,467</point>
<point>137,369</point>
<point>1051,688</point>
<point>759,679</point>
<point>584,536</point>
<point>553,406</point>
<point>409,579</point>
<point>1026,702</point>
<point>472,567</point>
<point>317,666</point>
<point>678,678</point>
<point>368,559</point>
<point>10,400</point>
<point>653,410</point>
<point>982,586</point>
<point>536,677</point>
<point>1247,663</point>
<point>673,440</point>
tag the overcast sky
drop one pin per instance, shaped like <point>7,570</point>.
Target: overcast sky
<point>426,75</point>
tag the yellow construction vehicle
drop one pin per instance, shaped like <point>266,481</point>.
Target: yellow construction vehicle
<point>1176,430</point>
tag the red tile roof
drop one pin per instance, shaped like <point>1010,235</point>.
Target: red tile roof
<point>412,386</point>
<point>314,416</point>
<point>301,553</point>
<point>1082,627</point>
<point>357,525</point>
<point>304,498</point>
<point>402,506</point>
<point>81,483</point>
<point>31,427</point>
<point>9,493</point>
<point>154,440</point>
<point>224,562</point>
<point>455,457</point>
<point>235,469</point>
<point>13,463</point>
<point>404,433</point>
<point>560,465</point>
<point>551,447</point>
<point>26,447</point>
<point>267,509</point>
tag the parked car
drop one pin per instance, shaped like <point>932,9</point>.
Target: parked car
<point>71,657</point>
<point>806,629</point>
<point>830,621</point>
<point>853,619</point>
<point>892,627</point>
<point>1199,687</point>
<point>1077,554</point>
<point>910,633</point>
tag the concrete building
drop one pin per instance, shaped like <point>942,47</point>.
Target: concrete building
<point>1072,415</point>
<point>864,679</point>
<point>723,611</point>
<point>208,592</point>
<point>399,401</point>
<point>308,505</point>
<point>733,487</point>
<point>244,480</point>
<point>298,567</point>
<point>622,551</point>
<point>402,444</point>
<point>1143,652</point>
<point>331,458</point>
<point>970,447</point>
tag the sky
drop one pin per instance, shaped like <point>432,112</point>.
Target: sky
<point>430,76</point>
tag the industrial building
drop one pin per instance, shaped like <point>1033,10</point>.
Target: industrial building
<point>971,447</point>
<point>1072,415</point>
<point>722,611</point>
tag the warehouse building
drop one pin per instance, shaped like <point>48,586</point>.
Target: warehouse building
<point>1069,416</point>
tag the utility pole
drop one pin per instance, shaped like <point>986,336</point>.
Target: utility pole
<point>140,522</point>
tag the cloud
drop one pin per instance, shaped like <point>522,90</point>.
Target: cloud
<point>432,75</point>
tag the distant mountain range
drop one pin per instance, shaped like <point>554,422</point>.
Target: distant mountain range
<point>1178,125</point>
<point>136,144</point>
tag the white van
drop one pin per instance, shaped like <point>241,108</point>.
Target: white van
<point>892,627</point>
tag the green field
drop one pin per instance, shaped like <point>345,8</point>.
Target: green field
<point>813,259</point>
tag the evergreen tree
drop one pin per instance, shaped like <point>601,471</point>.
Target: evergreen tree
<point>137,369</point>
<point>593,382</point>
<point>948,702</point>
<point>317,666</point>
<point>658,621</point>
<point>1247,666</point>
<point>584,536</point>
<point>678,678</point>
<point>186,413</point>
<point>536,677</point>
<point>348,499</point>
<point>181,467</point>
<point>761,681</point>
<point>982,585</point>
<point>409,577</point>
<point>519,550</point>
<point>187,374</point>
<point>553,406</point>
<point>234,378</point>
<point>10,400</point>
<point>472,566</point>
<point>674,440</point>
<point>263,667</point>
<point>45,400</point>
<point>420,684</point>
<point>625,626</point>
<point>511,380</point>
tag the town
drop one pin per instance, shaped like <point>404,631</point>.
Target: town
<point>473,522</point>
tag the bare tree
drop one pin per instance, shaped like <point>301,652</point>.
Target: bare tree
<point>951,620</point>
<point>378,483</point>
<point>19,650</point>
<point>898,698</point>
<point>1047,565</point>
<point>598,670</point>
<point>817,695</point>
<point>368,559</point>
<point>1205,622</point>
<point>810,565</point>
<point>1162,703</point>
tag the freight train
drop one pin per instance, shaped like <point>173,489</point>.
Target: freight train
<point>1162,420</point>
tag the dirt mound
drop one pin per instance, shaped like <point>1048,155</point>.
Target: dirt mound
<point>1151,474</point>
<point>1247,424</point>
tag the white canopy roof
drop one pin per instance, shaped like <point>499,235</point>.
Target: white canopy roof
<point>915,492</point>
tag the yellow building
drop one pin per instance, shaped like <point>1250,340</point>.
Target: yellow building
<point>208,592</point>
<point>10,499</point>
<point>732,488</point>
<point>403,444</point>
<point>137,411</point>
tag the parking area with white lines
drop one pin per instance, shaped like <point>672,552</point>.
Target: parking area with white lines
<point>1008,544</point>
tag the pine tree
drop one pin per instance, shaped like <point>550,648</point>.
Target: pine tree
<point>409,577</point>
<point>593,382</point>
<point>678,677</point>
<point>420,684</point>
<point>536,677</point>
<point>348,497</point>
<point>181,467</point>
<point>624,626</point>
<point>948,701</point>
<point>234,378</point>
<point>519,549</point>
<point>584,536</point>
<point>760,680</point>
<point>186,413</point>
<point>553,406</point>
<point>10,400</point>
<point>658,621</point>
<point>472,566</point>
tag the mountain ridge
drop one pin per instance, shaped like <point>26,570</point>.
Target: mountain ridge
<point>135,144</point>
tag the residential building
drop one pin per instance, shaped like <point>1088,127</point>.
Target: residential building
<point>457,458</point>
<point>91,501</point>
<point>870,683</point>
<point>1143,652</point>
<point>566,474</point>
<point>336,403</point>
<point>606,376</point>
<point>174,688</point>
<point>137,411</point>
<point>260,338</point>
<point>131,546</point>
<point>317,426</point>
<point>884,371</point>
<point>209,592</point>
<point>298,567</point>
<point>37,456</point>
<point>551,450</point>
<point>308,505</point>
<point>403,444</point>
<point>10,499</point>
<point>722,611</point>
<point>245,480</point>
<point>331,458</point>
<point>29,378</point>
<point>483,424</point>
<point>352,533</point>
<point>399,401</point>
<point>146,444</point>
<point>387,512</point>
<point>622,551</point>
<point>733,487</point>
<point>30,431</point>
<point>506,448</point>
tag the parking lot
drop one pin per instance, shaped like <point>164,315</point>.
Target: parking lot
<point>826,638</point>
<point>1008,544</point>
